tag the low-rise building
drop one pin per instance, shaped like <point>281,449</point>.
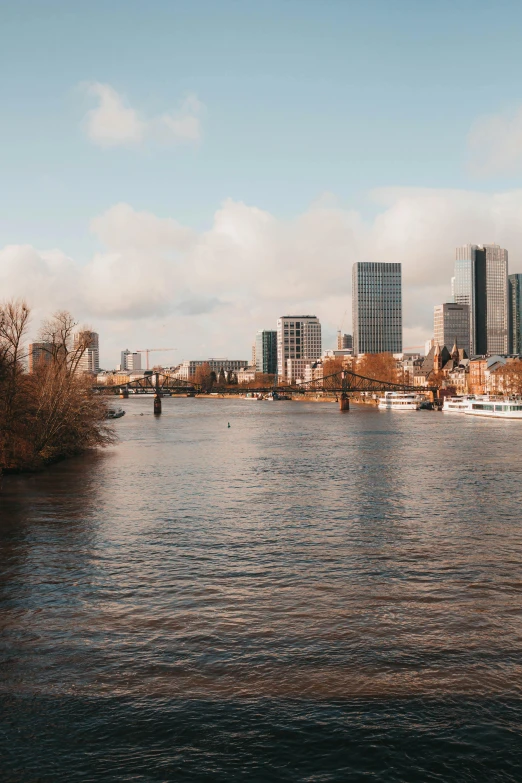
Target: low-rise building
<point>187,369</point>
<point>246,374</point>
<point>477,375</point>
<point>296,368</point>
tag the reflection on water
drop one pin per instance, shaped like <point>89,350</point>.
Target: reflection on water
<point>304,596</point>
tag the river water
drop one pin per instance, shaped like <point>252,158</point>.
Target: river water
<point>302,596</point>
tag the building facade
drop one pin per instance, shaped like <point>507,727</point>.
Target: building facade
<point>298,337</point>
<point>39,354</point>
<point>481,282</point>
<point>130,360</point>
<point>497,313</point>
<point>187,369</point>
<point>515,313</point>
<point>377,307</point>
<point>344,342</point>
<point>90,359</point>
<point>266,352</point>
<point>451,325</point>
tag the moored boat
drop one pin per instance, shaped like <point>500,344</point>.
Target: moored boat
<point>457,404</point>
<point>495,409</point>
<point>115,413</point>
<point>400,401</point>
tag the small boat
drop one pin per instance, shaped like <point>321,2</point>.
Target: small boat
<point>400,401</point>
<point>115,413</point>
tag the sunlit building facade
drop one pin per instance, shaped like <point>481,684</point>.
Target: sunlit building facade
<point>515,313</point>
<point>90,359</point>
<point>298,337</point>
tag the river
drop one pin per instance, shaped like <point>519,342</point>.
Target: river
<point>302,596</point>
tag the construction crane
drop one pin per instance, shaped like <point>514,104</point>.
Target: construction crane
<point>146,351</point>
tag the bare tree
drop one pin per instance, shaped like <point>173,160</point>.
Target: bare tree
<point>53,412</point>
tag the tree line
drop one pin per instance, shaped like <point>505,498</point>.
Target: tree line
<point>52,412</point>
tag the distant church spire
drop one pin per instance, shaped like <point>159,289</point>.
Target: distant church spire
<point>455,351</point>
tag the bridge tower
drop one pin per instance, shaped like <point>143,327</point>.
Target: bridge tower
<point>157,397</point>
<point>344,400</point>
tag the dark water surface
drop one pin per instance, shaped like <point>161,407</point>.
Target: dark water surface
<point>306,596</point>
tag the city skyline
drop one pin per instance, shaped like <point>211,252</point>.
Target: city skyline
<point>160,201</point>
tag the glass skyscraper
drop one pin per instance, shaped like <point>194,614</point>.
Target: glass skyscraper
<point>451,325</point>
<point>377,307</point>
<point>481,283</point>
<point>266,352</point>
<point>515,313</point>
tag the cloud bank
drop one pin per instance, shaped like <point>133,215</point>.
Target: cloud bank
<point>113,122</point>
<point>154,279</point>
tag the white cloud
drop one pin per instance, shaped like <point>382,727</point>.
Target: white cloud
<point>113,122</point>
<point>495,144</point>
<point>155,281</point>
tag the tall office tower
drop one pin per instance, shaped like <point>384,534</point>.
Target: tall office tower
<point>377,307</point>
<point>451,324</point>
<point>497,320</point>
<point>130,360</point>
<point>515,313</point>
<point>344,341</point>
<point>266,352</point>
<point>90,360</point>
<point>39,354</point>
<point>481,273</point>
<point>298,337</point>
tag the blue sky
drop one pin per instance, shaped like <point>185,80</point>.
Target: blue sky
<point>297,100</point>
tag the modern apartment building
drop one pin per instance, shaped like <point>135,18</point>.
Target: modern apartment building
<point>266,352</point>
<point>451,324</point>
<point>515,313</point>
<point>298,337</point>
<point>377,307</point>
<point>38,354</point>
<point>481,282</point>
<point>90,359</point>
<point>130,361</point>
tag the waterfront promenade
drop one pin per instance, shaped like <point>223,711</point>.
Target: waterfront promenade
<point>301,596</point>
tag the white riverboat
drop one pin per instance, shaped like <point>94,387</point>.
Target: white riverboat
<point>400,401</point>
<point>457,404</point>
<point>495,409</point>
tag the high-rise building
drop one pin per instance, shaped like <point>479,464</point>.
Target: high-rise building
<point>90,359</point>
<point>344,341</point>
<point>515,313</point>
<point>39,354</point>
<point>266,352</point>
<point>497,315</point>
<point>451,324</point>
<point>481,273</point>
<point>130,360</point>
<point>377,307</point>
<point>298,337</point>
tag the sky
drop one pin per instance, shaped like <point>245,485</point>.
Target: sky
<point>180,174</point>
